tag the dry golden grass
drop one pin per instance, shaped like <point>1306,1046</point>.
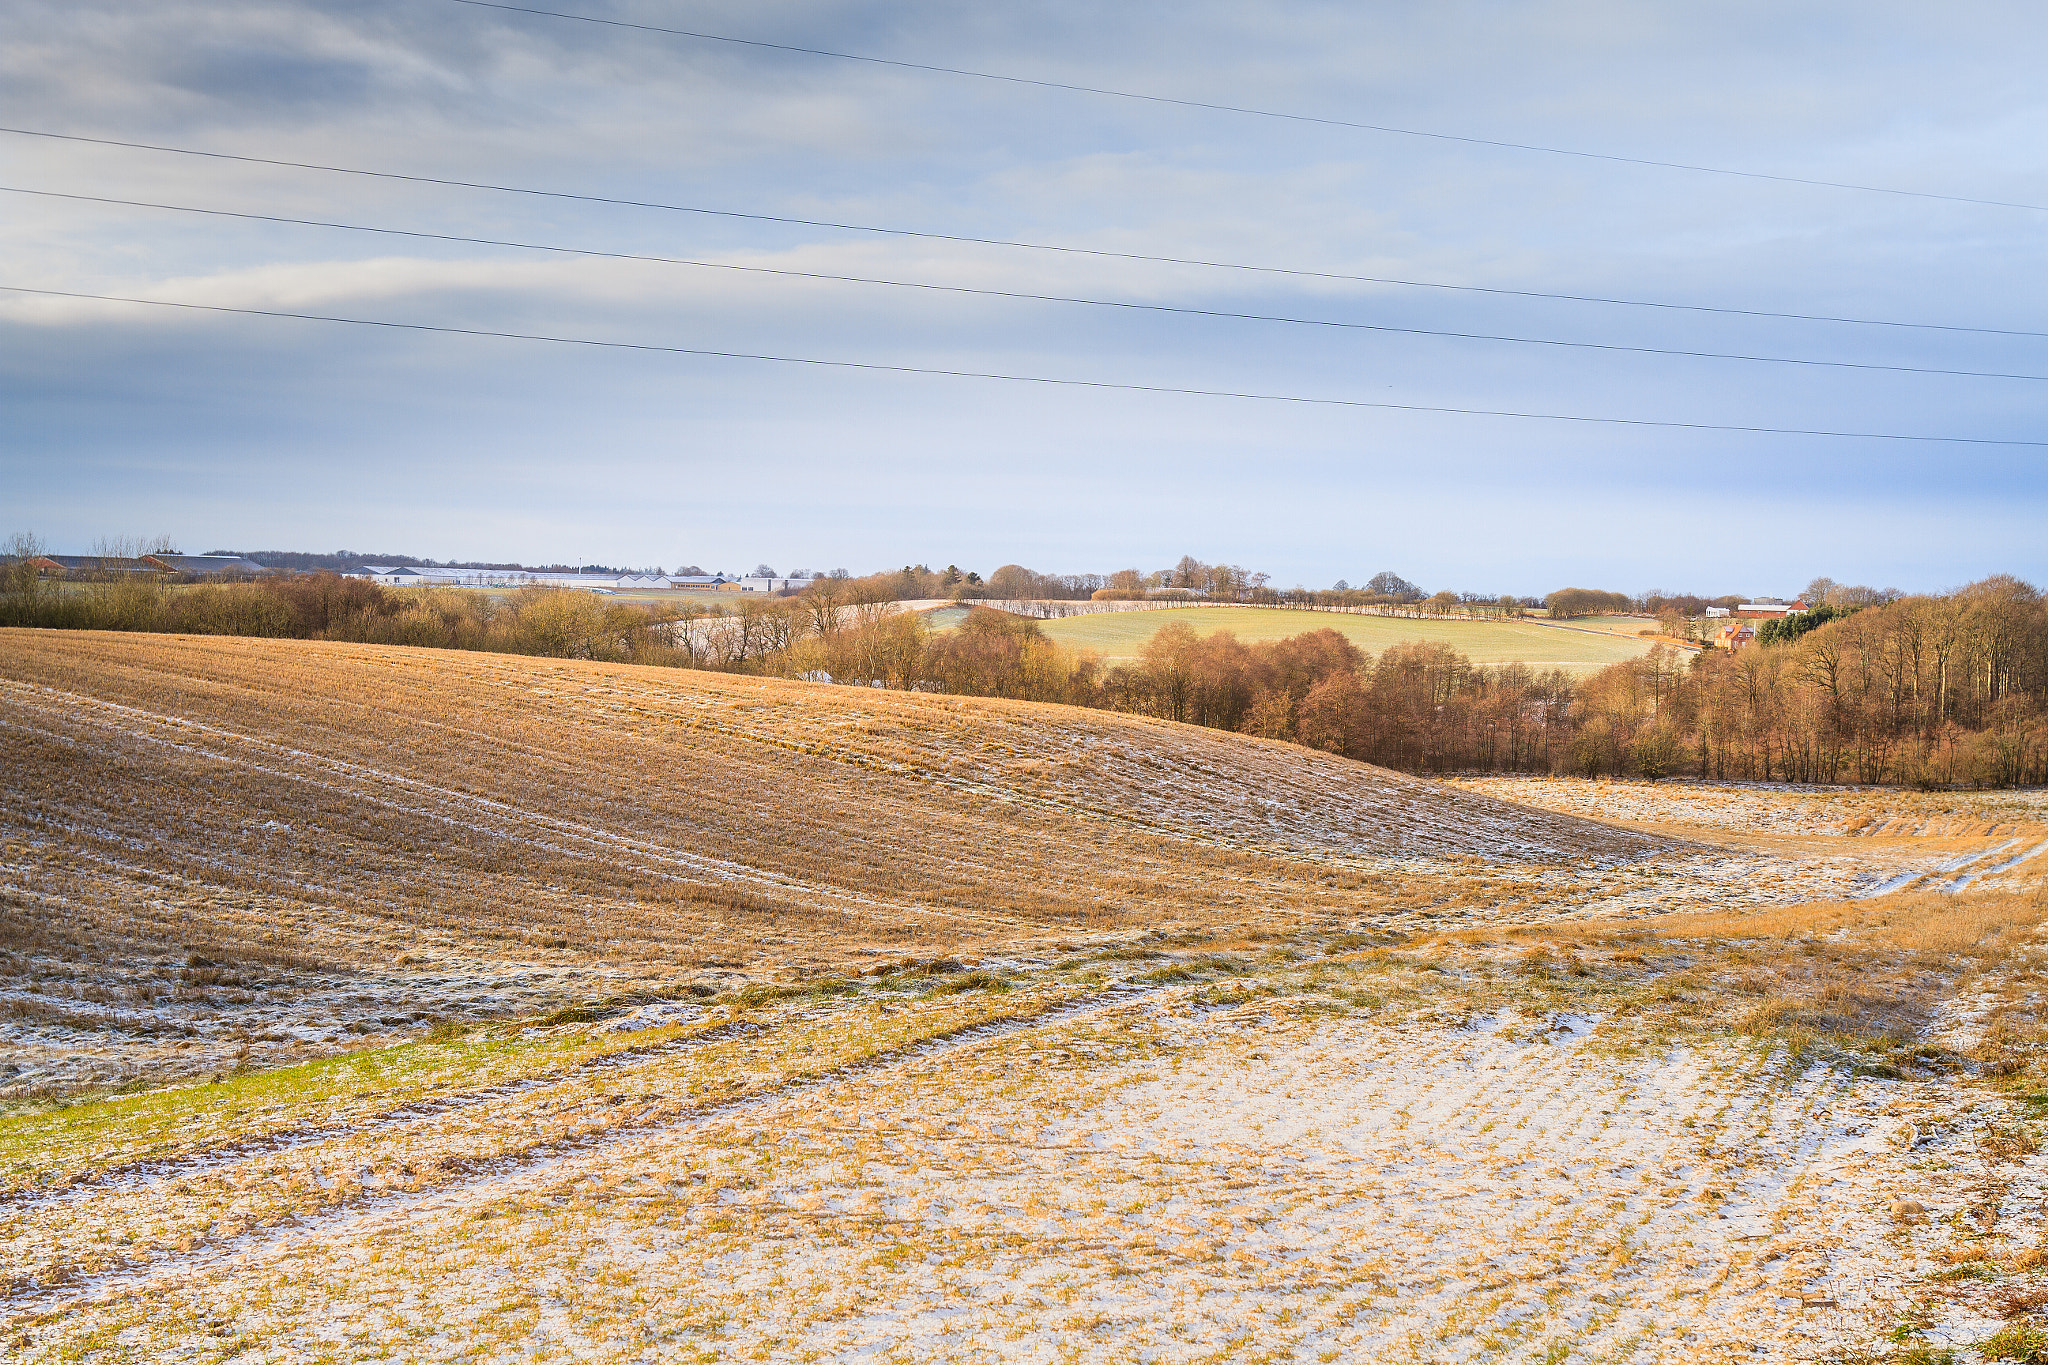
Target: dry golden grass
<point>1431,1149</point>
<point>226,850</point>
<point>613,1014</point>
<point>229,852</point>
<point>1932,923</point>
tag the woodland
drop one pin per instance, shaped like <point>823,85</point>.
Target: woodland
<point>1930,690</point>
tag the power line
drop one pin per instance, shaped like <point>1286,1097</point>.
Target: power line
<point>1096,253</point>
<point>1217,313</point>
<point>1245,109</point>
<point>878,368</point>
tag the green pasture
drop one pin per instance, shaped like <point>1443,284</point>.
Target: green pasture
<point>1120,636</point>
<point>1611,625</point>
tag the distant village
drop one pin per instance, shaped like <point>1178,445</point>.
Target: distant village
<point>409,575</point>
<point>406,575</point>
<point>1734,633</point>
<point>1737,634</point>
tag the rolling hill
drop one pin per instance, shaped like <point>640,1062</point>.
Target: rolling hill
<point>616,1013</point>
<point>305,841</point>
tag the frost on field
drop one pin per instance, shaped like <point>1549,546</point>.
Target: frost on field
<point>1455,1148</point>
<point>567,1010</point>
<point>230,851</point>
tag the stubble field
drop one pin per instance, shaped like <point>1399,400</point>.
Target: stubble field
<point>621,1014</point>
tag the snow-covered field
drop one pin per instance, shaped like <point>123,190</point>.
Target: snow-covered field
<point>473,1008</point>
<point>1368,1156</point>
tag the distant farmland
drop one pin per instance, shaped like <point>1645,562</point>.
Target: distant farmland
<point>1121,635</point>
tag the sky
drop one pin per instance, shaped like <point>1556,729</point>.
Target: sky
<point>229,431</point>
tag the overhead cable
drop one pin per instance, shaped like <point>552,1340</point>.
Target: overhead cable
<point>1014,294</point>
<point>1245,109</point>
<point>879,368</point>
<point>1094,252</point>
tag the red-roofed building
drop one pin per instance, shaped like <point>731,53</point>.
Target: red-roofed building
<point>1732,637</point>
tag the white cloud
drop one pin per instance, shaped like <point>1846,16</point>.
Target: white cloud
<point>1891,93</point>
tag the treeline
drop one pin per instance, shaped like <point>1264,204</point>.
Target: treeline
<point>1014,582</point>
<point>1566,603</point>
<point>1935,690</point>
<point>1931,691</point>
<point>1221,582</point>
<point>562,622</point>
<point>1189,579</point>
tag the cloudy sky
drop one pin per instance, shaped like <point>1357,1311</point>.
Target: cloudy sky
<point>233,431</point>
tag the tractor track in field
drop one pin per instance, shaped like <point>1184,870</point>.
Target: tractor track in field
<point>27,1299</point>
<point>135,1177</point>
<point>1951,875</point>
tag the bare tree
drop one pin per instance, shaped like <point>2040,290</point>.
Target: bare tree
<point>821,602</point>
<point>20,579</point>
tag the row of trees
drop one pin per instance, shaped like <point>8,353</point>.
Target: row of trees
<point>555,621</point>
<point>1930,690</point>
<point>1935,690</point>
<point>1189,579</point>
<point>1234,583</point>
<point>1566,603</point>
<point>1014,582</point>
<point>1922,690</point>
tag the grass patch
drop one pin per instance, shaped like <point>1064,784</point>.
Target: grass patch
<point>67,1141</point>
<point>2021,1341</point>
<point>971,981</point>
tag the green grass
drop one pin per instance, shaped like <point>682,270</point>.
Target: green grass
<point>945,618</point>
<point>71,1139</point>
<point>1612,625</point>
<point>1119,636</point>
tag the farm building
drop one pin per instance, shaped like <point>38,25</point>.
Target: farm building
<point>1733,637</point>
<point>415,576</point>
<point>203,564</point>
<point>1767,611</point>
<point>87,566</point>
<point>399,577</point>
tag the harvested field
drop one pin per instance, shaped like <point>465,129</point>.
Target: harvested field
<point>1121,636</point>
<point>563,1010</point>
<point>223,849</point>
<point>1598,1143</point>
<point>1886,840</point>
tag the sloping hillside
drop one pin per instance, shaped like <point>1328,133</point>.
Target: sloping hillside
<point>905,1027</point>
<point>387,833</point>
